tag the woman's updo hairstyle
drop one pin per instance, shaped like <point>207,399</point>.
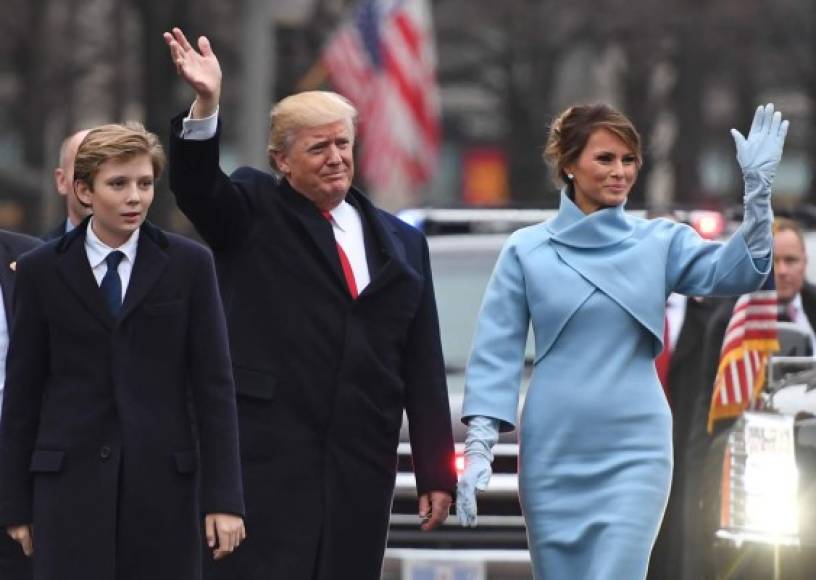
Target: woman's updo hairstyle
<point>570,132</point>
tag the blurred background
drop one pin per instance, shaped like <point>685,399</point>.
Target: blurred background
<point>496,73</point>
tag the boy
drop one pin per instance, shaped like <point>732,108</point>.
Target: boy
<point>116,324</point>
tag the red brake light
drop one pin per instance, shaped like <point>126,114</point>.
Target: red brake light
<point>709,224</point>
<point>459,464</point>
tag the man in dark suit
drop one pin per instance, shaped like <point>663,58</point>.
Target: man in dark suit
<point>118,326</point>
<point>333,330</point>
<point>797,303</point>
<point>689,316</point>
<point>75,211</point>
<point>13,563</point>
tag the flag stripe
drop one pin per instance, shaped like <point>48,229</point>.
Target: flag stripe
<point>750,338</point>
<point>383,60</point>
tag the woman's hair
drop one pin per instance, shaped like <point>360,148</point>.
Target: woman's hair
<point>116,141</point>
<point>570,132</point>
<point>304,110</point>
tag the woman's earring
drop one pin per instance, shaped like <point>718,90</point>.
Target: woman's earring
<point>570,176</point>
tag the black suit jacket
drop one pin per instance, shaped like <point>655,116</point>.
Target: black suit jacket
<point>685,386</point>
<point>13,564</point>
<point>56,232</point>
<point>322,379</point>
<point>97,446</point>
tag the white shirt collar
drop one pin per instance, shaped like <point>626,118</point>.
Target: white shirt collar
<point>99,250</point>
<point>343,215</point>
<point>796,303</point>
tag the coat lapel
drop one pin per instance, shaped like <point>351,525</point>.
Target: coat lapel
<point>75,270</point>
<point>317,230</point>
<point>394,261</point>
<point>151,260</point>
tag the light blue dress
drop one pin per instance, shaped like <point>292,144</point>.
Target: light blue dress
<point>595,434</point>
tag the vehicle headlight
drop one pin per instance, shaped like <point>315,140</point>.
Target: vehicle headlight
<point>760,481</point>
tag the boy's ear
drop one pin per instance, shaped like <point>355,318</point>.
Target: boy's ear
<point>83,192</point>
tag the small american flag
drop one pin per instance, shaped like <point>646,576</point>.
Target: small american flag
<point>750,338</point>
<point>384,61</point>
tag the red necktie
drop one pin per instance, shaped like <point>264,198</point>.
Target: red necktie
<point>663,360</point>
<point>344,262</point>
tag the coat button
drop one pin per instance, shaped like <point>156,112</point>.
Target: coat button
<point>104,452</point>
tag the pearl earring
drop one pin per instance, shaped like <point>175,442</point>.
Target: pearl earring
<point>570,176</point>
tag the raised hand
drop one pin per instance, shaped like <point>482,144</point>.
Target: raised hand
<point>199,68</point>
<point>761,152</point>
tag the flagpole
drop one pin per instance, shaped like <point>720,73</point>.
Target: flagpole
<point>314,77</point>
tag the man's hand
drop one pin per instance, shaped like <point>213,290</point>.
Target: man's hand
<point>24,535</point>
<point>225,532</point>
<point>199,69</point>
<point>433,508</point>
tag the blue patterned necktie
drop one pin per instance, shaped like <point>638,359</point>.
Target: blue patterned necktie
<point>111,284</point>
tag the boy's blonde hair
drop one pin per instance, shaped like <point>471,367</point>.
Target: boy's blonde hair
<point>121,141</point>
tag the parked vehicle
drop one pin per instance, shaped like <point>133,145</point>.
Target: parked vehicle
<point>759,482</point>
<point>497,548</point>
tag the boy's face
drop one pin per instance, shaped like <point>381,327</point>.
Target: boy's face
<point>122,194</point>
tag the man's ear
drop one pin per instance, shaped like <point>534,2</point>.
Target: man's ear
<point>59,179</point>
<point>280,162</point>
<point>83,193</point>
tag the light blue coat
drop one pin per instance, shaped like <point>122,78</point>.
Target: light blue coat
<point>595,462</point>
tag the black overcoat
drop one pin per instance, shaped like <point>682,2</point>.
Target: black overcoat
<point>322,379</point>
<point>97,440</point>
<point>13,564</point>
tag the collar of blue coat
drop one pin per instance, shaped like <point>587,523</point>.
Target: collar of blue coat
<point>605,227</point>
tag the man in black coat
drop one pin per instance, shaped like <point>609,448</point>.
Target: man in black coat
<point>117,327</point>
<point>682,388</point>
<point>13,563</point>
<point>75,211</point>
<point>333,333</point>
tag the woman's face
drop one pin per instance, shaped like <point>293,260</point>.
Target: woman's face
<point>604,173</point>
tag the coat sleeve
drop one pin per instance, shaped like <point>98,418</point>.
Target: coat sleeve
<point>496,362</point>
<point>697,267</point>
<point>426,400</point>
<point>219,210</point>
<point>27,370</point>
<point>213,392</point>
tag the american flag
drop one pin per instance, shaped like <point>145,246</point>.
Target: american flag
<point>384,61</point>
<point>750,338</point>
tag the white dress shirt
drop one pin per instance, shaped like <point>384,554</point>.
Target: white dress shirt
<point>346,222</point>
<point>97,251</point>
<point>348,232</point>
<point>4,343</point>
<point>676,314</point>
<point>800,319</point>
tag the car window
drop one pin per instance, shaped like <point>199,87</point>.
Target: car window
<point>461,269</point>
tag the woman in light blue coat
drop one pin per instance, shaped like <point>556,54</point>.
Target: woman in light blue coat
<point>595,431</point>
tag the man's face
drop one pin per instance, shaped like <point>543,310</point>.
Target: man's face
<point>64,179</point>
<point>789,265</point>
<point>121,195</point>
<point>319,163</point>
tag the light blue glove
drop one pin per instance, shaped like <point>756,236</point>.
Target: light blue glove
<point>482,434</point>
<point>759,156</point>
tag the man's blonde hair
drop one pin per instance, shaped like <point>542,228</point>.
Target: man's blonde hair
<point>116,141</point>
<point>782,224</point>
<point>306,110</point>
